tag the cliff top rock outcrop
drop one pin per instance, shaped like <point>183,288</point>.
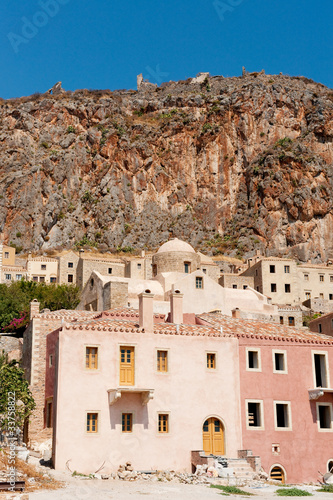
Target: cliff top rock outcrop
<point>230,165</point>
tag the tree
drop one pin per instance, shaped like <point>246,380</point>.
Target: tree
<point>16,401</point>
<point>15,300</point>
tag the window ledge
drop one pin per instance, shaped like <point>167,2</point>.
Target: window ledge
<point>319,392</point>
<point>115,394</point>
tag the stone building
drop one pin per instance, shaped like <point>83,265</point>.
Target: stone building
<point>136,382</point>
<point>323,324</point>
<point>236,281</point>
<point>34,359</point>
<point>286,282</point>
<point>9,270</point>
<point>42,269</point>
<point>176,265</point>
<point>67,268</point>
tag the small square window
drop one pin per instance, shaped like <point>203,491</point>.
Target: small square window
<point>43,267</point>
<point>162,361</point>
<point>331,279</point>
<point>6,255</point>
<point>35,278</point>
<point>92,358</point>
<point>287,288</point>
<point>163,423</point>
<point>198,282</point>
<point>320,369</point>
<point>70,278</point>
<point>321,277</point>
<point>273,287</point>
<point>211,360</point>
<point>234,286</point>
<point>110,270</point>
<point>291,321</point>
<point>282,415</point>
<point>139,266</point>
<point>324,416</point>
<point>308,295</point>
<point>42,279</point>
<point>281,320</point>
<point>70,265</point>
<point>187,267</point>
<point>253,359</point>
<point>204,271</point>
<point>272,269</point>
<point>53,280</point>
<point>49,411</point>
<point>306,277</point>
<point>330,296</point>
<point>244,287</point>
<point>92,422</point>
<point>127,422</point>
<point>279,361</point>
<point>18,277</point>
<point>8,276</point>
<point>254,414</point>
<point>321,296</point>
<point>287,269</point>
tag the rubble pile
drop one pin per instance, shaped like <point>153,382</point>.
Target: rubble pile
<point>203,475</point>
<point>35,478</point>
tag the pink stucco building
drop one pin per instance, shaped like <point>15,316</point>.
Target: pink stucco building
<point>125,386</point>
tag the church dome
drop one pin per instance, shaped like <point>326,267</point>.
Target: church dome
<point>176,245</point>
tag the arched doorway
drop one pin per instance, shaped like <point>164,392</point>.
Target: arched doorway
<point>213,436</point>
<point>278,474</point>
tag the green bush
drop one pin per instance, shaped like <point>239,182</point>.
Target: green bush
<point>292,492</point>
<point>232,490</point>
<point>206,127</point>
<point>284,142</point>
<point>71,130</point>
<point>326,488</point>
<point>87,197</point>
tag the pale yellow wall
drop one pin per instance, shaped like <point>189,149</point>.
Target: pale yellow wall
<point>42,267</point>
<point>8,260</point>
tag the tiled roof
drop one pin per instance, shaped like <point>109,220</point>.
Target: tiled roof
<point>68,314</point>
<point>316,266</point>
<point>128,313</point>
<point>128,326</point>
<point>243,328</point>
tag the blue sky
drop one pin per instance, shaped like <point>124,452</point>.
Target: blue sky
<point>105,43</point>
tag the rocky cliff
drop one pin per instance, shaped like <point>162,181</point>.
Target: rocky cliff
<point>230,165</point>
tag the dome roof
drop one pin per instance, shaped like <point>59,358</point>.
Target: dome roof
<point>176,245</point>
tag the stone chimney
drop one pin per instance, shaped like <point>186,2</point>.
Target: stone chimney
<point>34,308</point>
<point>146,313</point>
<point>236,313</point>
<point>176,307</point>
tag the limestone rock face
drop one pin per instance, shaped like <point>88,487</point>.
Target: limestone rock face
<point>228,164</point>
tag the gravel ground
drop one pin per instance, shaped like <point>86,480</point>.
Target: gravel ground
<point>82,489</point>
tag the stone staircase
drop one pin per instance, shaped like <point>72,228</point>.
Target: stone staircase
<point>239,469</point>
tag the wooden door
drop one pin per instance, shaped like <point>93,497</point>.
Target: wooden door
<point>213,437</point>
<point>126,365</point>
<point>277,474</point>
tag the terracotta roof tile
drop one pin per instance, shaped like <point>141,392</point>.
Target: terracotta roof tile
<point>263,329</point>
